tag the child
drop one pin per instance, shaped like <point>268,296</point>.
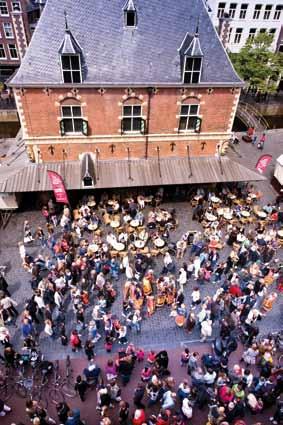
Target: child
<point>108,344</point>
<point>151,357</point>
<point>146,374</point>
<point>185,357</point>
<point>140,355</point>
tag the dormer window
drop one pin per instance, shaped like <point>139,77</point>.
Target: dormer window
<point>130,18</point>
<point>71,68</point>
<point>192,70</point>
<point>130,14</point>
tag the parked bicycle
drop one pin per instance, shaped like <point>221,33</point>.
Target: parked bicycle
<point>62,387</point>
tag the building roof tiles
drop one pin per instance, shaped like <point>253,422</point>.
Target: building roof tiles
<point>115,55</point>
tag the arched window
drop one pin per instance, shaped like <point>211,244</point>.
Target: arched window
<point>189,119</point>
<point>132,119</point>
<point>72,121</point>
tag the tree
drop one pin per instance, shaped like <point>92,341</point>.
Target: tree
<point>258,65</point>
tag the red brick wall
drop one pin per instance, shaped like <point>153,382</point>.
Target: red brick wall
<point>42,113</point>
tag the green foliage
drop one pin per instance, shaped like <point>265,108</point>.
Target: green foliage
<point>257,65</point>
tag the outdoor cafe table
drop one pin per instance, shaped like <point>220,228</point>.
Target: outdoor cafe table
<point>245,214</point>
<point>215,200</point>
<point>159,242</point>
<point>139,244</point>
<point>261,214</point>
<point>114,224</point>
<point>210,217</point>
<point>92,227</point>
<point>228,216</point>
<point>119,246</point>
<point>134,223</point>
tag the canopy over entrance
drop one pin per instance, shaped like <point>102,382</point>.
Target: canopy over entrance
<point>133,173</point>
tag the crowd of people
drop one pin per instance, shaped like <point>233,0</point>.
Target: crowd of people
<point>125,248</point>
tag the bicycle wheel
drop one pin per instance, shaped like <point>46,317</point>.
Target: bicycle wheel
<point>38,395</point>
<point>68,390</point>
<point>20,389</point>
<point>6,392</point>
<point>56,396</point>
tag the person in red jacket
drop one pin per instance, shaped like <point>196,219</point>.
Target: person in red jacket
<point>139,417</point>
<point>163,418</point>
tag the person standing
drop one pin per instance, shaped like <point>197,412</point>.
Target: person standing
<point>124,409</point>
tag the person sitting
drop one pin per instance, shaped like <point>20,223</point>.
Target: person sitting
<point>92,373</point>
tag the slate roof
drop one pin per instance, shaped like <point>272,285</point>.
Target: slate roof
<point>115,55</point>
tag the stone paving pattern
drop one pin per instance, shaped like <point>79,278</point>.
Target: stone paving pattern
<point>159,330</point>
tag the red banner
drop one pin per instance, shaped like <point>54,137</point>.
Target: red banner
<point>58,187</point>
<point>263,162</point>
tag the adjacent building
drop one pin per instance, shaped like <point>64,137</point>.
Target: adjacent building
<point>17,22</point>
<point>237,22</point>
<point>126,93</point>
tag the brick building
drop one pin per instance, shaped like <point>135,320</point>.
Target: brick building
<point>138,80</point>
<point>17,22</point>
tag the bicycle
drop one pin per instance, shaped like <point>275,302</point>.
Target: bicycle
<point>6,387</point>
<point>62,386</point>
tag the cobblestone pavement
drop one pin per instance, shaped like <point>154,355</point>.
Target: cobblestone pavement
<point>160,329</point>
<point>90,414</point>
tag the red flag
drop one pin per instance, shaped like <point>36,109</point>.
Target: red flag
<point>263,162</point>
<point>58,187</point>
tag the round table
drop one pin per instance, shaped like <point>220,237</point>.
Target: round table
<point>119,246</point>
<point>134,223</point>
<point>139,244</point>
<point>245,214</point>
<point>220,211</point>
<point>110,202</point>
<point>210,217</point>
<point>231,196</point>
<point>92,227</point>
<point>159,242</point>
<point>114,224</point>
<point>148,200</point>
<point>240,237</point>
<point>93,247</point>
<point>280,234</point>
<point>261,214</point>
<point>215,200</point>
<point>228,216</point>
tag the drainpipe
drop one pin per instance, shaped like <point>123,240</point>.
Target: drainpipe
<point>150,92</point>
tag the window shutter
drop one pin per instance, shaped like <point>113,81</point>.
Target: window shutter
<point>85,127</point>
<point>62,128</point>
<point>122,126</point>
<point>143,126</point>
<point>198,125</point>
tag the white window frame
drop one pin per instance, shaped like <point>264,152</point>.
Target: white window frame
<point>71,70</point>
<point>238,35</point>
<point>12,31</point>
<point>4,4</point>
<point>132,116</point>
<point>72,117</point>
<point>257,12</point>
<point>243,11</point>
<point>15,49</point>
<point>252,35</point>
<point>267,11</point>
<point>221,10</point>
<point>3,47</point>
<point>188,116</point>
<point>277,12</point>
<point>229,34</point>
<point>192,71</point>
<point>19,9</point>
<point>232,11</point>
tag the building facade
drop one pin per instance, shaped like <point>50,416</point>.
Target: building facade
<point>17,23</point>
<point>134,79</point>
<point>237,22</point>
